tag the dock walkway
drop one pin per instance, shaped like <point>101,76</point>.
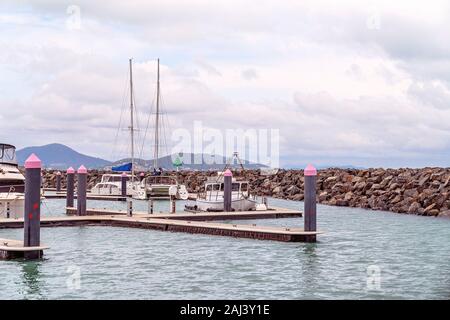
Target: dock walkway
<point>184,222</point>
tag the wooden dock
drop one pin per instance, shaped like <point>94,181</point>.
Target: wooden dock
<point>13,249</point>
<point>146,221</point>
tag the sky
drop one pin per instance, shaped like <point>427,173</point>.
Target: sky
<point>363,83</point>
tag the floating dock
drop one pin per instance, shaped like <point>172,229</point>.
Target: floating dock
<point>272,213</point>
<point>89,196</point>
<point>147,221</point>
<point>13,249</point>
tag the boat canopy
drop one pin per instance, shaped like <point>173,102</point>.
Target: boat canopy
<point>123,167</point>
<point>7,154</point>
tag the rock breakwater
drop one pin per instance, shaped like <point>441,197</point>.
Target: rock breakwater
<point>424,191</point>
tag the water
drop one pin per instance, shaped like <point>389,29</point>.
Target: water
<point>407,257</point>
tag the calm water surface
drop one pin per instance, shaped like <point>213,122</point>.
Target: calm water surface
<point>362,255</point>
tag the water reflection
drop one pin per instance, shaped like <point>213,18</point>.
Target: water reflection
<point>31,279</point>
<point>309,269</point>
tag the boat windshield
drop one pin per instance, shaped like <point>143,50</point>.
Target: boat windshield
<point>161,180</point>
<point>111,178</point>
<point>7,154</point>
<point>235,186</point>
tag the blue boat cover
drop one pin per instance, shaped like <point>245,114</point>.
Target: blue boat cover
<point>123,167</point>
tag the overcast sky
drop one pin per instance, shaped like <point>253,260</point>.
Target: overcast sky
<point>365,83</point>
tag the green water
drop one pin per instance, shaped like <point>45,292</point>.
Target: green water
<point>362,255</point>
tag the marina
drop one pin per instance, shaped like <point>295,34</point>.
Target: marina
<point>190,222</point>
<point>234,156</point>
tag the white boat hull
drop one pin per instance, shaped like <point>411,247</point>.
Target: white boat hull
<point>236,205</point>
<point>12,205</point>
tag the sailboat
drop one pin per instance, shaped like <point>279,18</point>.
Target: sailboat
<point>111,183</point>
<point>160,184</point>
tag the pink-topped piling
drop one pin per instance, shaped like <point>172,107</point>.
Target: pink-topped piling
<point>310,170</point>
<point>227,182</point>
<point>310,210</point>
<point>81,190</point>
<point>82,169</point>
<point>70,187</point>
<point>58,181</point>
<point>32,214</point>
<point>123,184</point>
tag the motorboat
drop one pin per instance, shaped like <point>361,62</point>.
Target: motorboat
<point>212,199</point>
<point>163,186</point>
<point>111,185</point>
<point>12,184</point>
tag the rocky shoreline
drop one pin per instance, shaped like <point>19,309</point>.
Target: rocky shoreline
<point>424,191</point>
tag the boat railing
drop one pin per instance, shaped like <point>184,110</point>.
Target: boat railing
<point>11,188</point>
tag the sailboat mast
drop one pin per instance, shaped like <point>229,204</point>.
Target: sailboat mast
<point>156,155</point>
<point>132,120</point>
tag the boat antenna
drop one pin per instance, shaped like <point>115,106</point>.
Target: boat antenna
<point>156,155</point>
<point>228,164</point>
<point>132,120</point>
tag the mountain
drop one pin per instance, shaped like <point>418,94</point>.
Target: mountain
<point>191,162</point>
<point>59,156</point>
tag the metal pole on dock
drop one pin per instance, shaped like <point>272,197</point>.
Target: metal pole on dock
<point>123,184</point>
<point>70,187</point>
<point>265,202</point>
<point>58,181</point>
<point>310,199</point>
<point>228,176</point>
<point>81,191</point>
<point>150,206</point>
<point>32,214</point>
<point>129,207</point>
<point>173,205</point>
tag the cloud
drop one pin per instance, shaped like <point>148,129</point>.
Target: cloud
<point>249,74</point>
<point>339,90</point>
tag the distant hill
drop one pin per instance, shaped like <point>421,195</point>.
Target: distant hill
<point>325,166</point>
<point>191,162</point>
<point>59,156</point>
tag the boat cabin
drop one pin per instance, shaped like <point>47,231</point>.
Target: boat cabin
<point>215,189</point>
<point>165,180</point>
<point>11,179</point>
